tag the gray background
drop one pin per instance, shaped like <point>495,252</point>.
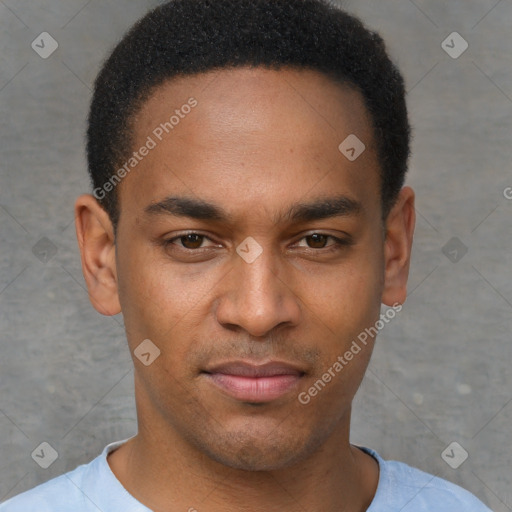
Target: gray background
<point>441,369</point>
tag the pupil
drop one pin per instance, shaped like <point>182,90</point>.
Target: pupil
<point>192,239</point>
<point>318,239</point>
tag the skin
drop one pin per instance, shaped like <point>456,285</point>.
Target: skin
<point>258,142</point>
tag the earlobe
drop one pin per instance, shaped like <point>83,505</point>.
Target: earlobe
<point>397,248</point>
<point>95,235</point>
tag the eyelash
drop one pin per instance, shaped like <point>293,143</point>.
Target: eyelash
<point>338,242</point>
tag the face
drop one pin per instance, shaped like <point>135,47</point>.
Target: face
<point>252,253</point>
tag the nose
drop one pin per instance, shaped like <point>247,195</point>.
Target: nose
<point>258,296</point>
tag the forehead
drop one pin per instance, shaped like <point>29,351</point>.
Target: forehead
<point>258,94</point>
<point>253,134</point>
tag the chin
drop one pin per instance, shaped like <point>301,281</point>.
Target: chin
<point>266,450</point>
<point>256,458</point>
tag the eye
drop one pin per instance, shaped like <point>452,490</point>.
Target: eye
<point>189,241</point>
<point>319,241</point>
<point>194,242</point>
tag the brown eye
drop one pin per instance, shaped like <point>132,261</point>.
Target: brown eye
<point>191,241</point>
<point>320,242</point>
<point>317,241</point>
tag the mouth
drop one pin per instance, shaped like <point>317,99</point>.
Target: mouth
<point>254,383</point>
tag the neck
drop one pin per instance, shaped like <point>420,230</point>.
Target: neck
<point>166,473</point>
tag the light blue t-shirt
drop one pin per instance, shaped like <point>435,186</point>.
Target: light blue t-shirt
<point>93,487</point>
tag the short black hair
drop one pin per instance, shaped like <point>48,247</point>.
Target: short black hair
<point>186,37</point>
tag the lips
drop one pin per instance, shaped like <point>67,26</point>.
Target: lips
<point>256,383</point>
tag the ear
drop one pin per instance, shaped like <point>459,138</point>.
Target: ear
<point>96,241</point>
<point>397,247</point>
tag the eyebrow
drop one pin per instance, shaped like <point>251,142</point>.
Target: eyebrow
<point>323,208</point>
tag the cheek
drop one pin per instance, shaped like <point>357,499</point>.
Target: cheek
<point>348,298</point>
<point>158,299</point>
<point>344,318</point>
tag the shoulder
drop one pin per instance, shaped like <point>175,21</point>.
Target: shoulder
<point>52,496</point>
<point>70,492</point>
<point>402,487</point>
<point>87,488</point>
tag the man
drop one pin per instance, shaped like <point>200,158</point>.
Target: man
<point>248,219</point>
